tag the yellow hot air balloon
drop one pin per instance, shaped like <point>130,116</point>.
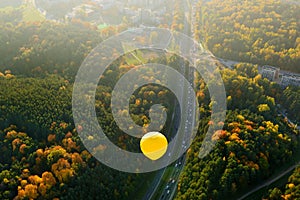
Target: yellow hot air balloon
<point>154,145</point>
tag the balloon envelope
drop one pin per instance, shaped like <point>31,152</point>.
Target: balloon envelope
<point>154,145</point>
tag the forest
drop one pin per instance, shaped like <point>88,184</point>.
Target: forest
<point>260,32</point>
<point>250,147</point>
<point>288,191</point>
<point>42,156</point>
<point>45,159</point>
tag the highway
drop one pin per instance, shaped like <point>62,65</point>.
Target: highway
<point>170,188</point>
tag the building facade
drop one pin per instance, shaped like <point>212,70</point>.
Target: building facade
<point>270,72</point>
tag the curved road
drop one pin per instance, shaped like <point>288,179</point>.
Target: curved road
<point>172,190</point>
<point>269,182</point>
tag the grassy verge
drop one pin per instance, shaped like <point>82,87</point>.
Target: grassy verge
<point>7,9</point>
<point>161,187</point>
<point>142,190</point>
<point>30,14</point>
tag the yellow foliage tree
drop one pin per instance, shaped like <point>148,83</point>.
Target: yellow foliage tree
<point>31,191</point>
<point>62,170</point>
<point>48,179</point>
<point>34,179</point>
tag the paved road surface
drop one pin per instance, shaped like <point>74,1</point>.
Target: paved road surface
<point>269,182</point>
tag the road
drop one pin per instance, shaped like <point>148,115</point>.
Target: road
<point>157,180</point>
<point>284,115</point>
<point>171,187</point>
<point>269,182</point>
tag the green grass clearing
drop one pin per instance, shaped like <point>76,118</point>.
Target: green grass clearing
<point>30,14</point>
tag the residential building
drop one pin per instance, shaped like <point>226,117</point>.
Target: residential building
<point>288,79</point>
<point>270,72</point>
